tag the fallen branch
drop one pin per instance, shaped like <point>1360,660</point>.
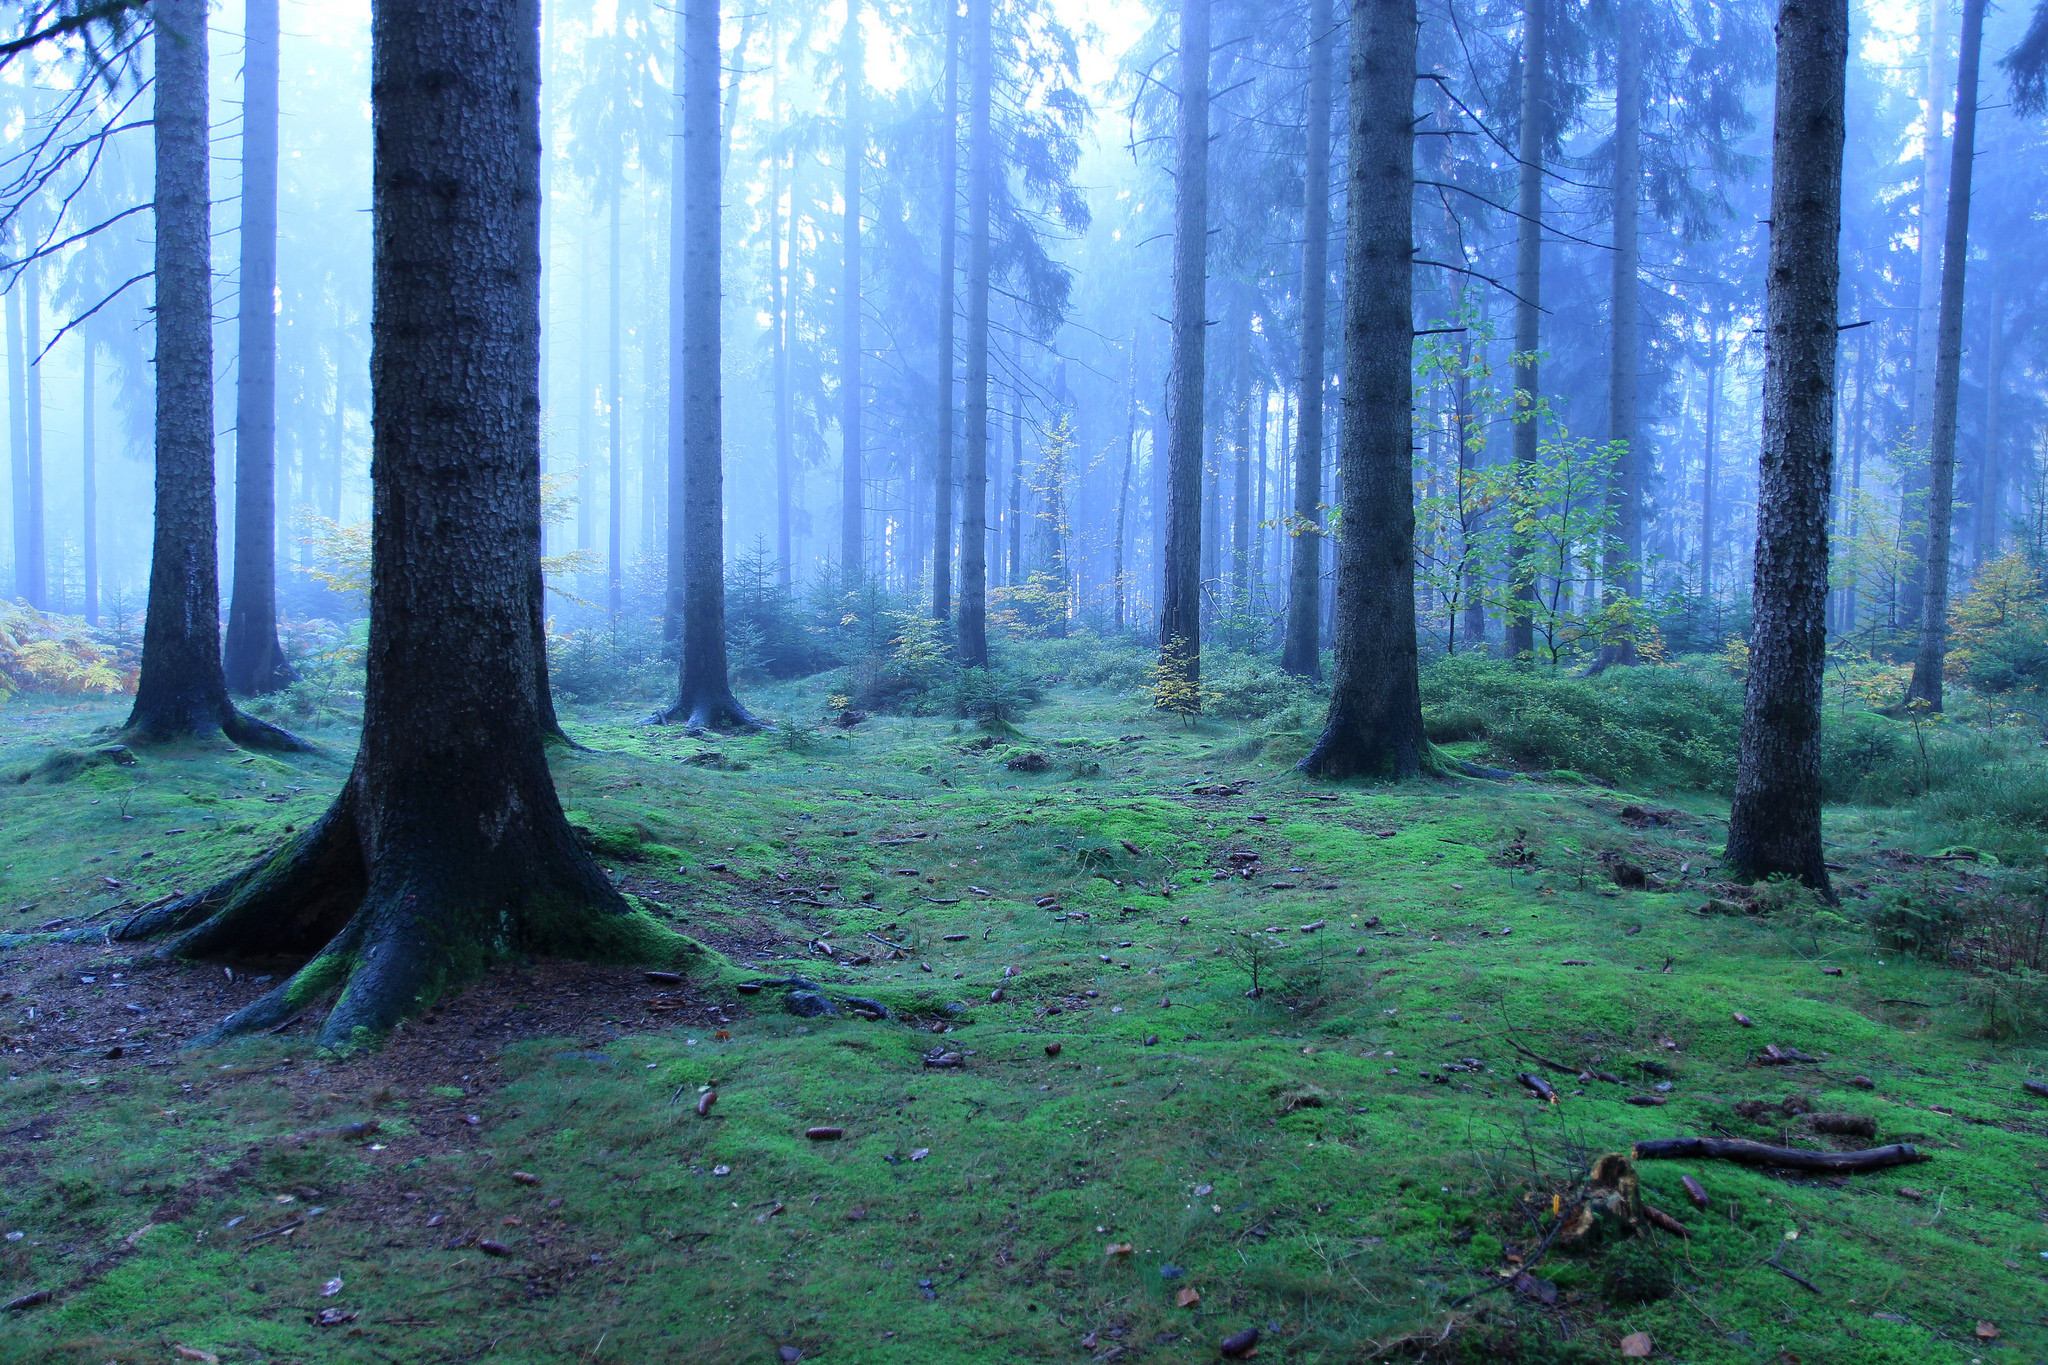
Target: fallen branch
<point>1746,1153</point>
<point>1665,1221</point>
<point>1543,1060</point>
<point>1799,1280</point>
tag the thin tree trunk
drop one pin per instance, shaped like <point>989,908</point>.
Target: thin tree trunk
<point>1180,596</point>
<point>1621,573</point>
<point>1375,719</point>
<point>1521,640</point>
<point>89,478</point>
<point>182,690</point>
<point>942,454</point>
<point>1774,822</point>
<point>447,848</point>
<point>255,661</point>
<point>1241,480</point>
<point>615,490</point>
<point>704,698</point>
<point>1934,194</point>
<point>37,587</point>
<point>852,485</point>
<point>1123,489</point>
<point>1707,468</point>
<point>1990,479</point>
<point>778,302</point>
<point>1928,663</point>
<point>974,476</point>
<point>1020,571</point>
<point>17,439</point>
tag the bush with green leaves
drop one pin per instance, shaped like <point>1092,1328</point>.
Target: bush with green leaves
<point>1250,687</point>
<point>991,696</point>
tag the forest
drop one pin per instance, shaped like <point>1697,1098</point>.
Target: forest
<point>867,642</point>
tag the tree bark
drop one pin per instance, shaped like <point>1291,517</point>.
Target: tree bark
<point>973,647</point>
<point>1123,488</point>
<point>1934,193</point>
<point>942,454</point>
<point>852,479</point>
<point>1774,822</point>
<point>778,302</point>
<point>37,588</point>
<point>1948,367</point>
<point>17,442</point>
<point>447,848</point>
<point>1180,595</point>
<point>1990,479</point>
<point>1241,477</point>
<point>1375,721</point>
<point>1707,471</point>
<point>1521,638</point>
<point>615,405</point>
<point>704,698</point>
<point>255,661</point>
<point>183,690</point>
<point>1621,573</point>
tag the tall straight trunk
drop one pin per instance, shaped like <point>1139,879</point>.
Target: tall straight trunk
<point>1774,821</point>
<point>182,690</point>
<point>1955,252</point>
<point>1621,572</point>
<point>674,605</point>
<point>1241,480</point>
<point>447,848</point>
<point>974,475</point>
<point>1850,610</point>
<point>1019,569</point>
<point>255,661</point>
<point>89,481</point>
<point>1521,638</point>
<point>1260,406</point>
<point>37,586</point>
<point>1934,195</point>
<point>615,411</point>
<point>852,479</point>
<point>17,439</point>
<point>1180,593</point>
<point>1212,519</point>
<point>1375,720</point>
<point>778,304</point>
<point>704,698</point>
<point>1123,488</point>
<point>942,454</point>
<point>1468,464</point>
<point>1707,471</point>
<point>1990,478</point>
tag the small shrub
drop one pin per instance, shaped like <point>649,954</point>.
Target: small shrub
<point>991,696</point>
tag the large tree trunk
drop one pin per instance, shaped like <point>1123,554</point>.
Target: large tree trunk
<point>1621,574</point>
<point>89,478</point>
<point>1934,194</point>
<point>974,476</point>
<point>182,690</point>
<point>949,208</point>
<point>1180,594</point>
<point>1948,367</point>
<point>1990,479</point>
<point>852,479</point>
<point>1375,721</point>
<point>704,696</point>
<point>1123,489</point>
<point>1241,477</point>
<point>255,661</point>
<point>1521,638</point>
<point>778,304</point>
<point>447,849</point>
<point>37,586</point>
<point>1774,823</point>
<point>615,411</point>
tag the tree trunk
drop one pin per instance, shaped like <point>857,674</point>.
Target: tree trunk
<point>615,404</point>
<point>37,587</point>
<point>1621,573</point>
<point>942,455</point>
<point>1990,480</point>
<point>852,480</point>
<point>1123,488</point>
<point>1019,570</point>
<point>1934,193</point>
<point>447,848</point>
<point>704,698</point>
<point>1521,639</point>
<point>974,476</point>
<point>182,690</point>
<point>1180,594</point>
<point>1955,252</point>
<point>778,303</point>
<point>1375,722</point>
<point>89,478</point>
<point>1241,477</point>
<point>1707,471</point>
<point>255,661</point>
<point>17,440</point>
<point>1774,822</point>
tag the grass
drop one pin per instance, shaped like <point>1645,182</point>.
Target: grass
<point>1303,1160</point>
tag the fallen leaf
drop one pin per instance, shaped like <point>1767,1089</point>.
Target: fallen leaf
<point>1743,1019</point>
<point>1188,1298</point>
<point>188,1353</point>
<point>824,1133</point>
<point>491,1248</point>
<point>1636,1345</point>
<point>1240,1345</point>
<point>331,1288</point>
<point>526,1177</point>
<point>1694,1191</point>
<point>1986,1332</point>
<point>1052,1049</point>
<point>705,1101</point>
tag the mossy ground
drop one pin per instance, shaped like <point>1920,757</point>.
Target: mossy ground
<point>1302,1159</point>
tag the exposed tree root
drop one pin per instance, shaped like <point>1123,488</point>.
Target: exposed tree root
<point>210,717</point>
<point>708,711</point>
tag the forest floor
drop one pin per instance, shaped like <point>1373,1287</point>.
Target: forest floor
<point>1127,1157</point>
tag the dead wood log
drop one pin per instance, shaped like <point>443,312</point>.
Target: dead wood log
<point>1746,1153</point>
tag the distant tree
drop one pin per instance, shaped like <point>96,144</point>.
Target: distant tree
<point>1300,651</point>
<point>182,689</point>
<point>949,216</point>
<point>255,661</point>
<point>1520,639</point>
<point>1948,367</point>
<point>1774,821</point>
<point>981,157</point>
<point>1375,720</point>
<point>447,848</point>
<point>1180,595</point>
<point>853,139</point>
